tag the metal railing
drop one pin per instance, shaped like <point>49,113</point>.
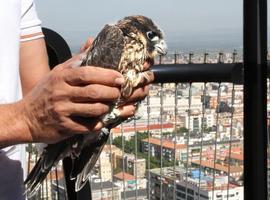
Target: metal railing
<point>158,135</point>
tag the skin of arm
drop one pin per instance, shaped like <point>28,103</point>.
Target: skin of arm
<point>33,63</point>
<point>33,66</point>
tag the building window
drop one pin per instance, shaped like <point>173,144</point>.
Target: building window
<point>190,191</point>
<point>180,194</point>
<point>190,198</point>
<point>179,187</point>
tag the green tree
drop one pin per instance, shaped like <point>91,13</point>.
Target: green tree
<point>117,170</point>
<point>129,147</point>
<point>182,130</point>
<point>208,130</point>
<point>118,142</point>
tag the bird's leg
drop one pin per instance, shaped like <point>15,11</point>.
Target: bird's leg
<point>126,88</point>
<point>140,77</point>
<point>128,85</point>
<point>139,68</point>
<point>132,79</point>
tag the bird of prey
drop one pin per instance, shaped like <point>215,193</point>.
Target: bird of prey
<point>124,47</point>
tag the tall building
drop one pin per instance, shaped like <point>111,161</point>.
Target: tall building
<point>103,167</point>
<point>195,121</point>
<point>129,182</point>
<point>211,167</point>
<point>169,149</point>
<point>131,165</point>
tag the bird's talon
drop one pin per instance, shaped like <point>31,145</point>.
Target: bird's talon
<point>126,89</point>
<point>146,76</point>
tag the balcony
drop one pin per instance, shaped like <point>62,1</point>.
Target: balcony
<point>188,141</point>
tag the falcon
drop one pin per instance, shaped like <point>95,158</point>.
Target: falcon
<point>124,47</point>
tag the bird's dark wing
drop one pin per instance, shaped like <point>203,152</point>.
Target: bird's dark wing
<point>49,157</point>
<point>107,48</point>
<point>90,153</point>
<point>106,52</point>
<point>83,165</point>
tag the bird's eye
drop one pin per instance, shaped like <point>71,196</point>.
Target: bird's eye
<point>152,36</point>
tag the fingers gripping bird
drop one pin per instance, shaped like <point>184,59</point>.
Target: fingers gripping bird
<point>124,47</point>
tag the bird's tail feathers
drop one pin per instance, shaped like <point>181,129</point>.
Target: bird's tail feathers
<point>35,178</point>
<point>50,156</point>
<point>83,177</point>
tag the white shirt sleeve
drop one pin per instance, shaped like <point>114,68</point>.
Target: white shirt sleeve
<point>30,23</point>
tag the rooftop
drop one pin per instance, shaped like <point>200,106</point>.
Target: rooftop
<point>103,185</point>
<point>194,178</point>
<point>165,143</point>
<point>236,156</point>
<point>145,127</point>
<point>219,167</point>
<point>124,176</point>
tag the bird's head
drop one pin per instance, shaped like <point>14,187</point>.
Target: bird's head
<point>143,29</point>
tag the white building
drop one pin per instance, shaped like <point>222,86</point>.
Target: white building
<point>105,190</point>
<point>194,121</point>
<point>191,187</point>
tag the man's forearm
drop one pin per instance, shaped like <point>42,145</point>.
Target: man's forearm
<point>13,125</point>
<point>33,63</point>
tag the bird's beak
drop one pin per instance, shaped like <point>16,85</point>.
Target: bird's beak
<point>161,47</point>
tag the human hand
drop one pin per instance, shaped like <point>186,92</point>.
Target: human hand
<point>70,101</point>
<point>139,93</point>
<point>87,44</point>
<point>128,109</point>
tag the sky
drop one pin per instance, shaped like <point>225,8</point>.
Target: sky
<point>187,24</point>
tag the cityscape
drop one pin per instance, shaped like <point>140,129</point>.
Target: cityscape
<point>186,142</point>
